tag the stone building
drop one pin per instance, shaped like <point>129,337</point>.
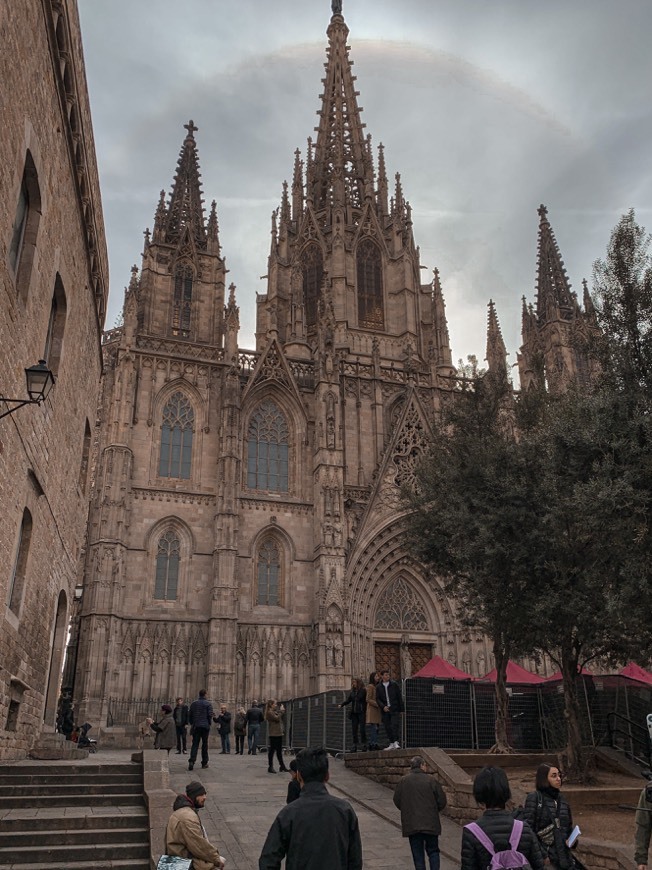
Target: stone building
<point>53,274</point>
<point>245,533</point>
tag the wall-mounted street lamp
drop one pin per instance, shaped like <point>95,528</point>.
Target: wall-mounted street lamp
<point>40,381</point>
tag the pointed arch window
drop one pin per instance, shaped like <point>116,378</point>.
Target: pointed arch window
<point>56,325</point>
<point>168,556</point>
<point>268,449</point>
<point>370,286</point>
<point>312,265</point>
<point>176,437</point>
<point>182,302</point>
<point>17,580</point>
<point>400,608</point>
<point>25,228</point>
<point>269,573</point>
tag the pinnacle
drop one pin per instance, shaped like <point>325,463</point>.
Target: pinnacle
<point>186,208</point>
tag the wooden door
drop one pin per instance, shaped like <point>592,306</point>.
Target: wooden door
<point>420,655</point>
<point>388,658</point>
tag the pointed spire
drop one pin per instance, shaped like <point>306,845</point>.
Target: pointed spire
<point>496,351</point>
<point>554,300</point>
<point>297,187</point>
<point>274,229</point>
<point>213,231</point>
<point>285,205</point>
<point>160,218</point>
<point>587,299</point>
<point>186,210</point>
<point>441,350</point>
<point>381,195</point>
<point>341,172</point>
<point>399,202</point>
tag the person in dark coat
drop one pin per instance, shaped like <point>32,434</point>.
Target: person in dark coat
<point>357,698</point>
<point>294,789</point>
<point>255,718</point>
<point>390,701</point>
<point>200,716</point>
<point>224,727</point>
<point>542,809</point>
<point>318,831</point>
<point>420,798</point>
<point>180,716</point>
<point>240,730</point>
<point>166,732</point>
<point>491,790</point>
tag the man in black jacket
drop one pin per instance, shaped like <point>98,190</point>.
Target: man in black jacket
<point>318,830</point>
<point>255,718</point>
<point>390,701</point>
<point>200,717</point>
<point>180,715</point>
<point>420,798</point>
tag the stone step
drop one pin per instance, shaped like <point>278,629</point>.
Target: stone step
<point>85,864</point>
<point>68,800</point>
<point>130,817</point>
<point>62,856</point>
<point>69,769</point>
<point>66,790</point>
<point>63,836</point>
<point>59,779</point>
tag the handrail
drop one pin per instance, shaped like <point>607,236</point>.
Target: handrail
<point>644,740</point>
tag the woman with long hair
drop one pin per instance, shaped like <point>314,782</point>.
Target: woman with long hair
<point>549,815</point>
<point>274,716</point>
<point>357,698</point>
<point>374,717</point>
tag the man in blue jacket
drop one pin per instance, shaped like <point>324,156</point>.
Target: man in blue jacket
<point>200,717</point>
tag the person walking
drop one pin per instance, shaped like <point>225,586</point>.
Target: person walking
<point>318,831</point>
<point>185,836</point>
<point>357,698</point>
<point>274,716</point>
<point>239,730</point>
<point>549,815</point>
<point>224,727</point>
<point>200,716</point>
<point>373,715</point>
<point>390,701</point>
<point>497,825</point>
<point>255,718</point>
<point>420,798</point>
<point>180,716</point>
<point>166,732</point>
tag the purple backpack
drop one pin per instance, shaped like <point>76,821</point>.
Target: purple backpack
<point>509,859</point>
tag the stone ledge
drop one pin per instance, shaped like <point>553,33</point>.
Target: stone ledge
<point>159,798</point>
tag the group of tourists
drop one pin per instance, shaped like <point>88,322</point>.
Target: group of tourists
<point>379,702</point>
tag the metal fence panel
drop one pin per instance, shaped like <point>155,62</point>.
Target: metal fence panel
<point>438,713</point>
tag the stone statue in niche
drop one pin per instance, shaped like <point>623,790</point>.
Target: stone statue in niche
<point>330,659</point>
<point>338,653</point>
<point>406,662</point>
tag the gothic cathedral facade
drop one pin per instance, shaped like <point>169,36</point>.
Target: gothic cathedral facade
<point>245,531</point>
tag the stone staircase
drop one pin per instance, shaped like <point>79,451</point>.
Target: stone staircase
<point>77,816</point>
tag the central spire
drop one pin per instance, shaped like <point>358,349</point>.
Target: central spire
<point>186,208</point>
<point>341,165</point>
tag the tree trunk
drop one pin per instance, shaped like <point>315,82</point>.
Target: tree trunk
<point>502,699</point>
<point>573,755</point>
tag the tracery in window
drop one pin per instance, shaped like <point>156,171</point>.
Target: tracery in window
<point>313,275</point>
<point>25,228</point>
<point>267,449</point>
<point>370,286</point>
<point>176,437</point>
<point>268,571</point>
<point>168,556</point>
<point>182,301</point>
<point>400,608</point>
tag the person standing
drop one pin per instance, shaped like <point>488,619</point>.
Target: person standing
<point>316,831</point>
<point>548,814</point>
<point>294,789</point>
<point>274,716</point>
<point>185,836</point>
<point>200,716</point>
<point>239,730</point>
<point>166,733</point>
<point>357,698</point>
<point>255,718</point>
<point>180,716</point>
<point>224,727</point>
<point>390,701</point>
<point>374,716</point>
<point>420,798</point>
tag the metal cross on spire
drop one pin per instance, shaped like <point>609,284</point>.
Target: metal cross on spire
<point>190,127</point>
<point>336,6</point>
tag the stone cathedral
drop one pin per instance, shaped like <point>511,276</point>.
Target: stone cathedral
<point>245,533</point>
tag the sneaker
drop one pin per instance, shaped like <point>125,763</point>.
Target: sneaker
<point>190,765</point>
<point>178,752</point>
<point>396,745</point>
<point>391,746</point>
<point>270,770</point>
<point>204,766</point>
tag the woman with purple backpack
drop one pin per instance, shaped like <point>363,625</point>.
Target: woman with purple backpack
<point>497,840</point>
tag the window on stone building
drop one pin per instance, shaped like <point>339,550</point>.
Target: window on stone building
<point>17,579</point>
<point>399,608</point>
<point>370,286</point>
<point>86,452</point>
<point>56,326</point>
<point>25,228</point>
<point>313,274</point>
<point>267,449</point>
<point>269,573</point>
<point>182,302</point>
<point>167,567</point>
<point>176,437</point>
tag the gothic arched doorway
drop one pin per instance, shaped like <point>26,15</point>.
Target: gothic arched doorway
<point>56,661</point>
<point>402,633</point>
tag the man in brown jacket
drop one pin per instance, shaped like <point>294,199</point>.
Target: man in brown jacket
<point>420,799</point>
<point>185,836</point>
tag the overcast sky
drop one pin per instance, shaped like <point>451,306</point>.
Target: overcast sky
<point>486,108</point>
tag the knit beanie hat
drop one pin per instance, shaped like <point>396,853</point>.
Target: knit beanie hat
<point>194,789</point>
<point>166,708</point>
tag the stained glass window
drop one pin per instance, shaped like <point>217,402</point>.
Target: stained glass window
<point>267,449</point>
<point>269,573</point>
<point>167,567</point>
<point>181,309</point>
<point>400,608</point>
<point>370,286</point>
<point>313,275</point>
<point>176,437</point>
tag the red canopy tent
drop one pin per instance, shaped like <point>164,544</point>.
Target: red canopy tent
<point>439,667</point>
<point>515,674</point>
<point>584,672</point>
<point>636,672</point>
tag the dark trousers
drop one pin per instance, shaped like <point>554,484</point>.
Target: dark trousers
<point>428,843</point>
<point>357,723</point>
<point>275,747</point>
<point>181,738</point>
<point>199,734</point>
<point>392,723</point>
<point>226,741</point>
<point>252,735</point>
<point>239,744</point>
